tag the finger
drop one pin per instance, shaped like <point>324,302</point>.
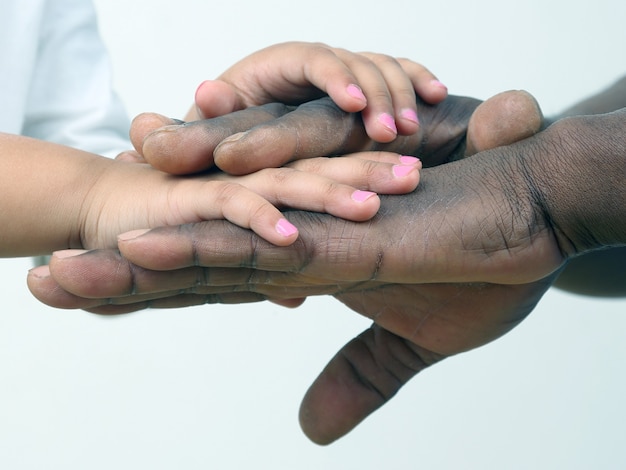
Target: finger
<point>425,83</point>
<point>401,92</point>
<point>298,72</point>
<point>243,206</point>
<point>287,187</point>
<point>176,301</point>
<point>314,129</point>
<point>288,303</point>
<point>109,298</point>
<point>102,281</point>
<point>319,128</point>
<point>327,71</point>
<point>505,118</point>
<point>47,290</point>
<point>146,123</point>
<point>130,156</point>
<point>188,148</point>
<point>90,279</point>
<point>378,116</point>
<point>152,248</point>
<point>218,244</point>
<point>365,374</point>
<point>381,172</point>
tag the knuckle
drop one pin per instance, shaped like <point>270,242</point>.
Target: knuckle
<point>310,165</point>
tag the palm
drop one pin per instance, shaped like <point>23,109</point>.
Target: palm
<point>446,318</point>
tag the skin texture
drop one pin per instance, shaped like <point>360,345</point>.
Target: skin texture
<point>447,268</point>
<point>601,273</point>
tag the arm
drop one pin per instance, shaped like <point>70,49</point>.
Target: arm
<point>43,186</point>
<point>599,273</point>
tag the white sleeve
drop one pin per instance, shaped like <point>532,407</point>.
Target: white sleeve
<point>71,100</point>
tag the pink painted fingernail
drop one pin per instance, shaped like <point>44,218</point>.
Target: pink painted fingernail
<point>400,171</point>
<point>410,115</point>
<point>362,196</point>
<point>408,160</point>
<point>204,82</point>
<point>355,92</point>
<point>438,84</point>
<point>198,110</point>
<point>388,121</point>
<point>285,228</point>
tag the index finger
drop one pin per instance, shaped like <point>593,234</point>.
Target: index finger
<point>314,129</point>
<point>188,148</point>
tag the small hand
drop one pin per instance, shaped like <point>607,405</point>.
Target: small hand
<point>383,88</point>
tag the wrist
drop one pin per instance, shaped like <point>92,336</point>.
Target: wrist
<point>577,177</point>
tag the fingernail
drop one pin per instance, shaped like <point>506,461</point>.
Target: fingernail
<point>40,272</point>
<point>200,114</point>
<point>408,160</point>
<point>168,128</point>
<point>199,88</point>
<point>362,196</point>
<point>233,138</point>
<point>68,253</point>
<point>132,234</point>
<point>437,83</point>
<point>410,115</point>
<point>195,98</point>
<point>356,92</point>
<point>388,121</point>
<point>286,228</point>
<point>400,171</point>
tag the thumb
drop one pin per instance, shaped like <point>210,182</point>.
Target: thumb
<point>503,119</point>
<point>365,374</point>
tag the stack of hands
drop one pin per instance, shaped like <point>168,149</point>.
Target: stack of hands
<point>444,220</point>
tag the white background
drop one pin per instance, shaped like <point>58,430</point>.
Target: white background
<point>219,387</point>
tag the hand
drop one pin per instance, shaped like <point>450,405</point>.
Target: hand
<point>379,86</point>
<point>125,196</point>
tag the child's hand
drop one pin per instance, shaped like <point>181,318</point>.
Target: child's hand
<point>381,87</point>
<point>130,196</point>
